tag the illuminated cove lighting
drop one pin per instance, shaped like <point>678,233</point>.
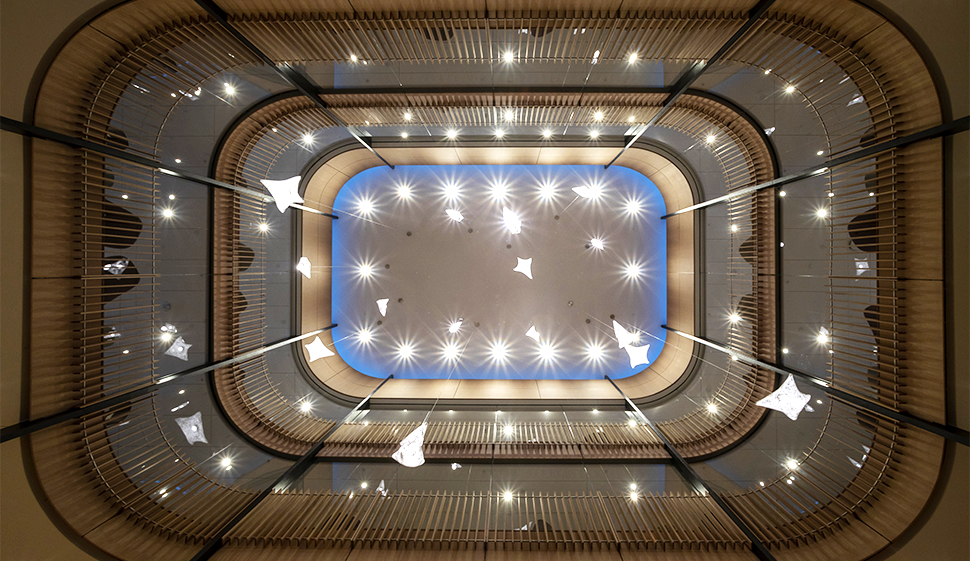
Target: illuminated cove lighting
<point>505,290</point>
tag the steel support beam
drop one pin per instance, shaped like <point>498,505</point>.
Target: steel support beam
<point>695,480</point>
<point>27,427</point>
<point>287,72</point>
<point>694,72</point>
<point>946,129</point>
<point>282,483</point>
<point>955,434</point>
<point>12,125</point>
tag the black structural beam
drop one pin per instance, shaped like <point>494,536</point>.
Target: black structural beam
<point>946,129</point>
<point>18,127</point>
<point>949,432</point>
<point>695,480</point>
<point>287,72</point>
<point>27,427</point>
<point>694,72</point>
<point>282,483</point>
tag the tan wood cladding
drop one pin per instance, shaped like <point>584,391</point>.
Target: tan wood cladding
<point>107,475</point>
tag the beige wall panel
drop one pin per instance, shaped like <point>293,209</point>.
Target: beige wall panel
<point>497,389</point>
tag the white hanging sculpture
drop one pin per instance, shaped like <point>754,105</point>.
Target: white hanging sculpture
<point>304,267</point>
<point>454,215</point>
<point>117,267</point>
<point>456,326</point>
<point>411,452</point>
<point>583,191</point>
<point>512,221</point>
<point>533,334</point>
<point>179,349</point>
<point>285,192</point>
<point>524,267</point>
<point>623,337</point>
<point>381,490</point>
<point>317,349</point>
<point>638,355</point>
<point>192,428</point>
<point>786,399</point>
<point>455,466</point>
<point>382,306</point>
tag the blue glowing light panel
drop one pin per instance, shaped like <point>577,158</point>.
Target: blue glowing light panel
<point>437,244</point>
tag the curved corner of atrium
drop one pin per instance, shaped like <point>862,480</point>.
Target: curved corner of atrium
<point>288,280</point>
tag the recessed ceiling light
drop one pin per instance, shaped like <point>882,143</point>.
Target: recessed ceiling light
<point>507,495</point>
<point>226,463</point>
<point>455,326</point>
<point>498,352</point>
<point>404,135</point>
<point>510,115</point>
<point>547,352</point>
<point>822,213</point>
<point>166,337</point>
<point>712,407</point>
<point>450,351</point>
<point>597,243</point>
<point>307,138</point>
<point>353,58</point>
<point>595,353</point>
<point>178,160</point>
<point>405,351</point>
<point>508,430</point>
<point>734,317</point>
<point>455,215</point>
<point>632,58</point>
<point>547,191</point>
<point>734,227</point>
<point>790,89</point>
<point>404,192</point>
<point>451,134</point>
<point>819,153</point>
<point>768,71</point>
<point>791,463</point>
<point>822,338</point>
<point>631,423</point>
<point>363,484</point>
<point>782,193</point>
<point>126,197</point>
<point>499,190</point>
<point>230,90</point>
<point>632,271</point>
<point>598,116</point>
<point>630,119</point>
<point>366,270</point>
<point>784,351</point>
<point>711,138</point>
<point>509,56</point>
<point>365,206</point>
<point>499,133</point>
<point>407,115</point>
<point>634,496</point>
<point>546,133</point>
<point>305,406</point>
<point>594,134</point>
<point>168,213</point>
<point>364,336</point>
<point>263,227</point>
<point>451,191</point>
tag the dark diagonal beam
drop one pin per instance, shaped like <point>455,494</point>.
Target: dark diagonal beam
<point>282,483</point>
<point>27,427</point>
<point>946,129</point>
<point>694,72</point>
<point>949,432</point>
<point>696,482</point>
<point>295,78</point>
